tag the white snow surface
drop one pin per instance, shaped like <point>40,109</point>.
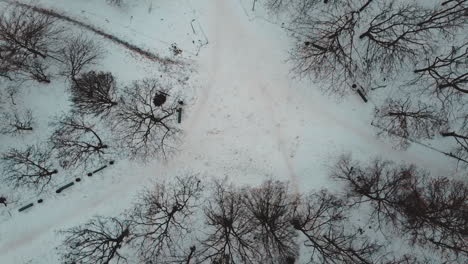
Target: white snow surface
<point>247,117</point>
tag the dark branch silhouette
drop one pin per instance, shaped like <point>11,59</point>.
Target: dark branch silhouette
<point>17,123</point>
<point>94,93</point>
<point>27,40</point>
<point>77,54</point>
<point>229,227</point>
<point>77,142</point>
<point>402,120</point>
<point>271,207</point>
<point>31,167</point>
<point>430,211</point>
<point>321,219</point>
<point>99,241</point>
<point>161,219</point>
<point>144,129</point>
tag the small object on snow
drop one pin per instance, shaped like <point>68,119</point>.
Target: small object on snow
<point>360,92</point>
<point>181,102</point>
<point>159,99</point>
<point>77,179</point>
<point>191,24</point>
<point>100,169</point>
<point>59,190</point>
<point>111,162</point>
<point>307,43</point>
<point>179,117</point>
<point>3,200</point>
<point>40,201</point>
<point>90,174</point>
<point>175,50</point>
<point>362,95</point>
<point>25,207</point>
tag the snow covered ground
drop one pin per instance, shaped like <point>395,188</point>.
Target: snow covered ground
<point>248,118</point>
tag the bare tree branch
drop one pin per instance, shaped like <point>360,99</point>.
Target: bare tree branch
<point>428,211</point>
<point>31,167</point>
<point>272,207</point>
<point>77,55</point>
<point>94,93</point>
<point>162,218</point>
<point>230,230</point>
<point>320,219</point>
<point>144,129</point>
<point>402,120</point>
<point>17,123</point>
<point>77,142</point>
<point>97,242</point>
<point>27,40</point>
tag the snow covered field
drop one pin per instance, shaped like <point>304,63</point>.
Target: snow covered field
<point>247,117</point>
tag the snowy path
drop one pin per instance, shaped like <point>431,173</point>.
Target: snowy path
<point>249,109</point>
<point>249,121</point>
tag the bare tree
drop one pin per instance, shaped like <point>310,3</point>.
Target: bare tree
<point>403,120</point>
<point>230,232</point>
<point>78,54</point>
<point>272,206</point>
<point>428,211</point>
<point>361,41</point>
<point>275,6</point>
<point>35,70</point>
<point>77,142</point>
<point>325,47</point>
<point>17,123</point>
<point>27,39</point>
<point>99,241</point>
<point>143,128</point>
<point>405,32</point>
<point>446,75</point>
<point>383,184</point>
<point>22,66</point>
<point>321,219</point>
<point>460,151</point>
<point>435,213</point>
<point>94,93</point>
<point>392,38</point>
<point>24,29</point>
<point>31,167</point>
<point>162,219</point>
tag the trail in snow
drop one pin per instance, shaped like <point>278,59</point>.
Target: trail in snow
<point>244,62</point>
<point>231,72</point>
<point>131,47</point>
<point>247,120</point>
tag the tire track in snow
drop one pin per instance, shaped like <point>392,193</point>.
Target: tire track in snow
<point>226,23</point>
<point>206,92</point>
<point>281,140</point>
